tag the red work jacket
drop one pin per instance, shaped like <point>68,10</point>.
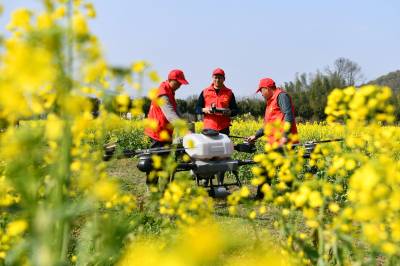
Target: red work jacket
<point>273,113</point>
<point>221,100</point>
<point>155,113</point>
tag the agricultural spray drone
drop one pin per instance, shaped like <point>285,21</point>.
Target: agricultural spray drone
<point>210,156</point>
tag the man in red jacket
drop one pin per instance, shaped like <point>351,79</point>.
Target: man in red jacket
<point>217,97</point>
<point>164,114</point>
<point>218,105</point>
<point>279,110</point>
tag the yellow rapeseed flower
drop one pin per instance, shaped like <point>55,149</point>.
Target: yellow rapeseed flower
<point>153,75</point>
<point>54,127</point>
<point>90,10</point>
<point>315,199</point>
<point>244,192</point>
<point>80,26</point>
<point>153,93</point>
<point>45,21</point>
<point>16,227</point>
<point>20,18</point>
<point>95,71</point>
<point>156,160</point>
<point>105,190</point>
<point>123,101</point>
<point>59,12</point>
<point>389,248</point>
<point>334,207</point>
<point>312,223</point>
<point>138,67</point>
<point>164,135</point>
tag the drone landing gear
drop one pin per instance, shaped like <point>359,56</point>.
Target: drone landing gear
<point>221,189</point>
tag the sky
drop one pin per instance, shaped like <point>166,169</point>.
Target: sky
<point>249,39</point>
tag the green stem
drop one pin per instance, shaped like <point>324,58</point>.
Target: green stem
<point>321,242</point>
<point>70,39</point>
<point>258,241</point>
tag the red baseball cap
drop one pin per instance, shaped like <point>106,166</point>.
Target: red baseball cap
<point>218,71</point>
<point>177,75</point>
<point>266,83</point>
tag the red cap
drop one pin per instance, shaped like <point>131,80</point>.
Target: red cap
<point>219,71</point>
<point>266,83</point>
<point>177,75</point>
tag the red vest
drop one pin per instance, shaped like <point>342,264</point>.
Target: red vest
<point>155,113</point>
<point>273,113</point>
<point>221,100</point>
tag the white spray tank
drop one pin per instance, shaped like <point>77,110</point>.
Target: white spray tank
<point>207,147</point>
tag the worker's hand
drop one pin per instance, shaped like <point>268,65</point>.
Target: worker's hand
<point>251,139</point>
<point>206,110</point>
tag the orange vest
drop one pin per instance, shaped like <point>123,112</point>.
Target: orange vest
<point>221,100</point>
<point>155,113</point>
<point>273,113</point>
